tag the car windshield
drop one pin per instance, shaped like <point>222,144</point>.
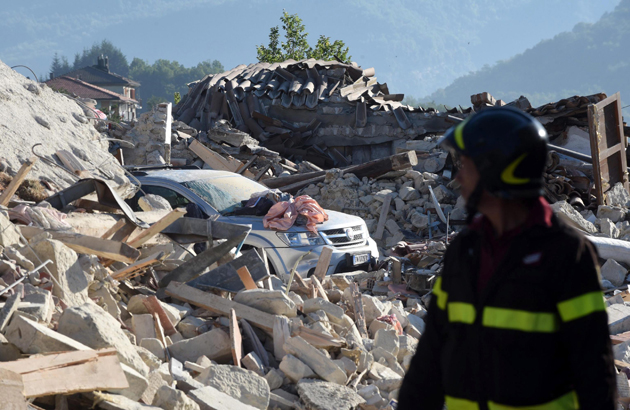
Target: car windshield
<point>224,193</point>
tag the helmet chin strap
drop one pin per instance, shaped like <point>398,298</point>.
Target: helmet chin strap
<point>473,202</point>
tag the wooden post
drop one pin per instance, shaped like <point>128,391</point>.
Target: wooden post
<point>396,271</point>
<point>359,314</point>
<point>236,339</point>
<point>8,192</point>
<point>383,217</point>
<point>157,227</point>
<point>323,263</point>
<point>154,307</point>
<point>319,288</point>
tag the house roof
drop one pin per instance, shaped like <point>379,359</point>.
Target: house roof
<point>98,76</point>
<point>85,90</point>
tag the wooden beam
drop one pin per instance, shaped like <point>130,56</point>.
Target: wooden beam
<point>247,165</point>
<point>15,183</point>
<point>396,271</point>
<point>319,288</point>
<point>236,339</point>
<point>142,264</point>
<point>157,227</point>
<point>216,161</point>
<point>69,372</point>
<point>246,278</point>
<point>383,217</point>
<point>323,263</point>
<point>121,222</point>
<point>72,164</point>
<point>88,245</point>
<point>154,307</point>
<point>220,305</point>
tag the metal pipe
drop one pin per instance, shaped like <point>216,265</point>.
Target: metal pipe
<point>572,154</point>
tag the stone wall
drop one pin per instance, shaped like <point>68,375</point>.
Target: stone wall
<point>152,137</point>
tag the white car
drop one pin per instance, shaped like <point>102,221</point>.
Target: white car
<point>219,192</point>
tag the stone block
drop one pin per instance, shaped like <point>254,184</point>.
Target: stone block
<point>615,214</point>
<point>295,369</point>
<point>388,340</point>
<point>372,308</point>
<point>148,358</point>
<point>618,319</point>
<point>385,378</point>
<point>409,193</point>
<point>209,398</point>
<point>274,302</point>
<point>252,362</point>
<point>321,395</point>
<point>618,196</point>
<point>143,327</point>
<point>91,325</point>
<point>244,385</point>
<point>189,325</point>
<point>566,211</point>
<point>214,344</point>
<point>155,346</point>
<point>274,379</point>
<point>333,312</point>
<point>8,232</point>
<point>168,398</point>
<point>614,272</point>
<point>137,384</point>
<point>316,360</point>
<point>31,337</point>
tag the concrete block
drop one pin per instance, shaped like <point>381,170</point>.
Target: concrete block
<point>214,344</point>
<point>252,362</point>
<point>155,346</point>
<point>137,384</point>
<point>333,312</point>
<point>155,381</point>
<point>372,308</point>
<point>377,325</point>
<point>274,302</point>
<point>143,327</point>
<point>31,337</point>
<point>91,325</point>
<point>618,318</point>
<point>614,272</point>
<point>321,395</point>
<point>295,369</point>
<point>244,385</point>
<point>316,360</point>
<point>274,379</point>
<point>209,398</point>
<point>169,398</point>
<point>388,340</point>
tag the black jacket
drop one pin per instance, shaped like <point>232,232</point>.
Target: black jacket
<point>536,335</point>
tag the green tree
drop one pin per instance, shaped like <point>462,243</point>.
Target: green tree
<point>117,61</point>
<point>177,97</point>
<point>59,66</point>
<point>295,45</point>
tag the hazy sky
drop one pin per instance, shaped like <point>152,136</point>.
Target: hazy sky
<point>416,46</point>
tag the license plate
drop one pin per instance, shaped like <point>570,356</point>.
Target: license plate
<point>360,259</point>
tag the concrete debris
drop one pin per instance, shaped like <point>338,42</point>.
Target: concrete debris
<point>337,341</point>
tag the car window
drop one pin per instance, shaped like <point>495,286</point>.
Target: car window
<point>174,199</point>
<point>224,193</point>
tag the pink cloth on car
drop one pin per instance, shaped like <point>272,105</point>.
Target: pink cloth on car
<point>282,215</point>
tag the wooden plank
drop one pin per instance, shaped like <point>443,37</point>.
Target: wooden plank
<point>72,163</point>
<point>236,339</point>
<point>216,161</point>
<point>44,362</point>
<point>247,165</point>
<point>396,271</point>
<point>142,264</point>
<point>220,305</point>
<point>123,234</point>
<point>159,331</point>
<point>383,217</point>
<point>359,314</point>
<point>154,307</point>
<point>89,245</point>
<point>246,278</point>
<point>262,172</point>
<point>323,263</point>
<point>114,228</point>
<point>157,227</point>
<point>15,183</point>
<point>319,288</point>
<point>105,373</point>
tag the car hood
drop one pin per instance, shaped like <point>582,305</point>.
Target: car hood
<point>335,220</point>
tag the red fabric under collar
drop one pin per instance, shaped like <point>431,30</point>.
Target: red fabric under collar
<point>494,248</point>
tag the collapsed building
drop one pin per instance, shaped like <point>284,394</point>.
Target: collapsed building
<point>138,320</point>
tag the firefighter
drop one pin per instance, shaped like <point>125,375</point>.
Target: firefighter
<point>517,318</point>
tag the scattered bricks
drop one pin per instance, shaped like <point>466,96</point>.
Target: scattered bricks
<point>295,369</point>
<point>618,319</point>
<point>209,398</point>
<point>252,362</point>
<point>214,344</point>
<point>320,395</point>
<point>168,398</point>
<point>92,326</point>
<point>316,360</point>
<point>614,272</point>
<point>274,302</point>
<point>243,385</point>
<point>274,379</point>
<point>155,346</point>
<point>333,312</point>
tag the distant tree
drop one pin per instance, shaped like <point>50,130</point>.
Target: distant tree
<point>177,97</point>
<point>153,101</point>
<point>296,45</point>
<point>117,61</point>
<point>59,66</point>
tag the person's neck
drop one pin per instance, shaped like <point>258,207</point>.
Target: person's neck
<point>504,215</point>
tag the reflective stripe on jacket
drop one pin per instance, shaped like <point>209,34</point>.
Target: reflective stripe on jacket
<point>536,338</point>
